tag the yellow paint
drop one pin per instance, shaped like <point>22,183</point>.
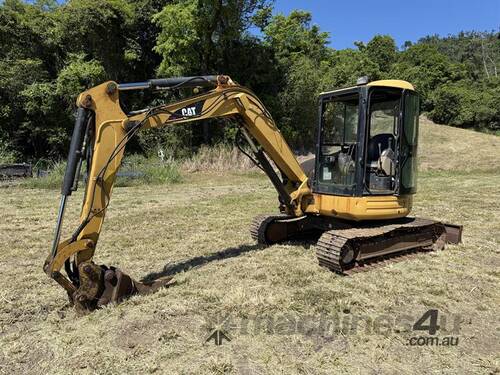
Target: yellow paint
<point>64,252</point>
<point>226,100</point>
<point>361,208</point>
<point>392,83</point>
<point>396,83</point>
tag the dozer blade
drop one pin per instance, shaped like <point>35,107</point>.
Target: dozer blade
<point>101,285</point>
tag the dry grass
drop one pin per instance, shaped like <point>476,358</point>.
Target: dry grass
<point>198,230</point>
<point>220,158</point>
<point>446,148</point>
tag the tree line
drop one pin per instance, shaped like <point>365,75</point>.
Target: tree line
<point>51,51</point>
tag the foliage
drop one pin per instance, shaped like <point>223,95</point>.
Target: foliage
<point>177,41</point>
<point>51,51</point>
<point>479,51</point>
<point>142,170</point>
<point>299,102</point>
<point>135,170</point>
<point>468,104</point>
<point>77,75</point>
<point>382,51</point>
<point>197,36</point>
<point>346,66</point>
<point>52,180</point>
<point>6,153</point>
<point>293,36</point>
<point>427,68</point>
<point>98,29</point>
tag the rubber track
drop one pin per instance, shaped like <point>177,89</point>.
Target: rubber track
<point>331,243</point>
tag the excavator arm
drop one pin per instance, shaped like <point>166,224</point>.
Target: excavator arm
<point>101,132</point>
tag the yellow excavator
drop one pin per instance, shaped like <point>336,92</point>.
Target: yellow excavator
<point>354,196</point>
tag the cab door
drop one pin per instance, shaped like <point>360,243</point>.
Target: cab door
<point>383,128</point>
<point>409,143</point>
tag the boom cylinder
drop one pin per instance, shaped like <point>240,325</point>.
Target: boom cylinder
<point>178,82</point>
<point>75,151</point>
<point>72,166</point>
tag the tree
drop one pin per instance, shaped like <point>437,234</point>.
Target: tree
<point>51,50</point>
<point>100,29</point>
<point>427,68</point>
<point>468,104</point>
<point>206,37</point>
<point>346,66</point>
<point>293,36</point>
<point>479,51</point>
<point>382,50</point>
<point>299,102</point>
<point>196,34</point>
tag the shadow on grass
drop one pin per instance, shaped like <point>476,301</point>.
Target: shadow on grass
<point>187,264</point>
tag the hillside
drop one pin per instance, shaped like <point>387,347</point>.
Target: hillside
<point>449,148</point>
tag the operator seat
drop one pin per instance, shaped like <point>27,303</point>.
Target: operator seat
<point>373,152</point>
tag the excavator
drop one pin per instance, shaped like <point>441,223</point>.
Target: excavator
<point>354,197</point>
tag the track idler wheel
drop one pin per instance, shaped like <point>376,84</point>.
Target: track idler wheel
<point>101,285</point>
<point>348,256</point>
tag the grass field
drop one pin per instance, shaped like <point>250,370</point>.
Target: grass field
<point>284,314</point>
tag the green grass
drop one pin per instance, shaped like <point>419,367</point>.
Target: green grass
<point>53,179</point>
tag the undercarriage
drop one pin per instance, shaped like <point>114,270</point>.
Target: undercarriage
<point>348,247</point>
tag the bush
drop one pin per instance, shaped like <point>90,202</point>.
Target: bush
<point>6,153</point>
<point>52,180</point>
<point>468,104</point>
<point>138,170</point>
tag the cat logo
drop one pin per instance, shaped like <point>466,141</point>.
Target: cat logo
<point>194,110</point>
<point>188,111</point>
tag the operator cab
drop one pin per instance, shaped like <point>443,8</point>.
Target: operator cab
<point>367,140</point>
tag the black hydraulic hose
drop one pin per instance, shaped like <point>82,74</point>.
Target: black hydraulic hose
<point>240,148</point>
<point>83,153</point>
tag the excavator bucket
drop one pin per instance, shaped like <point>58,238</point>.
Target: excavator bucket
<point>101,285</point>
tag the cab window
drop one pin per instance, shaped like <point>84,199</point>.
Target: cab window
<point>338,144</point>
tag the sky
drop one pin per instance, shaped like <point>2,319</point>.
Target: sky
<point>348,21</point>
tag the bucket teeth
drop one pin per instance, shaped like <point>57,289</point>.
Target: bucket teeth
<point>101,285</point>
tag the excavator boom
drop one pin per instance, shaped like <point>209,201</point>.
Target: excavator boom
<point>101,132</point>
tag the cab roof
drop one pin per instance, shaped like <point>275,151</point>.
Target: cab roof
<point>392,83</point>
<point>396,83</point>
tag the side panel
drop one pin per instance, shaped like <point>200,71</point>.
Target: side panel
<point>361,208</point>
